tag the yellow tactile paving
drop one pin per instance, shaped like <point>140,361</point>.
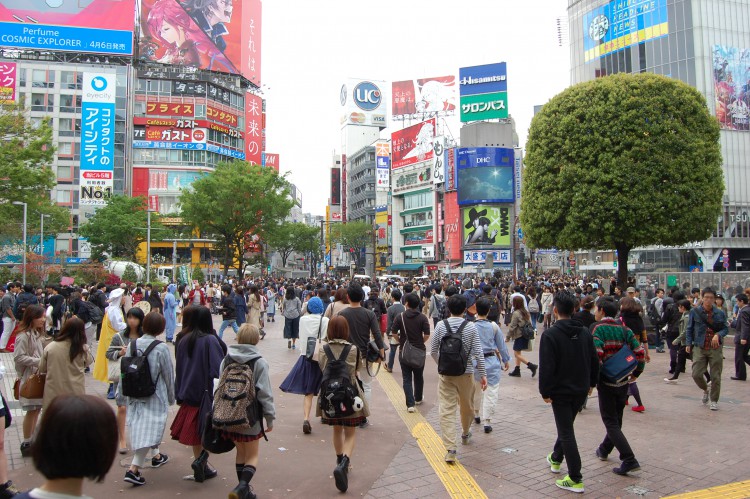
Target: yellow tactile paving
<point>457,481</point>
<point>737,490</point>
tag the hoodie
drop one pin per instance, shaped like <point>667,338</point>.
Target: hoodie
<point>568,363</point>
<point>243,354</point>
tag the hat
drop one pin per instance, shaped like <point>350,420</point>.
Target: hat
<point>473,215</point>
<point>315,305</point>
<point>467,284</point>
<point>115,294</point>
<point>630,290</point>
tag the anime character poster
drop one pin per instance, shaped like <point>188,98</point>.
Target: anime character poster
<point>426,95</point>
<point>413,144</point>
<point>486,225</point>
<point>732,87</point>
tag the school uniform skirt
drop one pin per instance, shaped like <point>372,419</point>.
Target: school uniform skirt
<point>304,378</point>
<point>186,425</point>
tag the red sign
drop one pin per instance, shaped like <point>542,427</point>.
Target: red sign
<point>413,144</point>
<point>225,117</point>
<point>251,46</point>
<point>95,175</point>
<point>272,161</point>
<point>174,123</point>
<point>153,203</point>
<point>7,82</point>
<point>427,95</point>
<point>168,134</point>
<point>253,129</point>
<point>170,109</point>
<point>336,215</point>
<point>343,187</point>
<point>452,227</point>
<point>335,186</point>
<point>418,238</point>
<point>450,184</point>
<point>432,268</point>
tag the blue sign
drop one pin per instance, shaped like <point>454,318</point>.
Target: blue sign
<point>367,96</point>
<point>520,233</point>
<point>485,79</point>
<point>383,162</point>
<point>190,146</point>
<point>66,38</point>
<point>473,157</point>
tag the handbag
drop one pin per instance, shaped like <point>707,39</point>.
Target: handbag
<point>213,440</point>
<point>411,356</point>
<point>620,366</point>
<point>17,389</point>
<point>113,369</point>
<point>312,342</point>
<point>33,388</point>
<point>383,322</point>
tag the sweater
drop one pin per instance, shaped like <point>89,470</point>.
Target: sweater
<point>568,363</point>
<point>195,374</point>
<point>610,336</point>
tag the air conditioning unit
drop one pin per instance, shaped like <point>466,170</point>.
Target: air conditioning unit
<point>598,259</point>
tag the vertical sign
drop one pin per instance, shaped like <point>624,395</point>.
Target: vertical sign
<point>335,186</point>
<point>450,170</point>
<point>7,83</point>
<point>343,188</point>
<point>251,40</point>
<point>517,166</point>
<point>438,165</point>
<point>383,166</point>
<point>97,138</point>
<point>253,129</point>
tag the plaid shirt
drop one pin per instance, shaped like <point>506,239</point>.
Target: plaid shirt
<point>609,337</point>
<point>710,333</point>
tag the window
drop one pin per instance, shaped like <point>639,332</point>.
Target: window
<point>64,173</point>
<point>39,78</point>
<point>22,77</point>
<point>418,200</point>
<point>66,104</point>
<point>38,102</point>
<point>71,80</point>
<point>65,149</point>
<point>64,197</point>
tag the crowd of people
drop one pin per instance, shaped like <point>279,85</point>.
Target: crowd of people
<point>345,331</point>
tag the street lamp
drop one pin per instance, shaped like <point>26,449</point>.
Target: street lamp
<point>41,235</point>
<point>25,207</point>
<point>148,243</point>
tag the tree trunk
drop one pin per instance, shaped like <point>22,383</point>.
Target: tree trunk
<point>623,251</point>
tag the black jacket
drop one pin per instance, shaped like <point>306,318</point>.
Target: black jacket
<point>584,317</point>
<point>99,299</point>
<point>670,318</point>
<point>568,363</point>
<point>228,308</point>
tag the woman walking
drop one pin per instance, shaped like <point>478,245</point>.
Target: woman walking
<point>240,305</point>
<point>291,309</point>
<point>118,349</point>
<point>64,361</point>
<point>546,306</point>
<point>147,416</point>
<point>199,353</point>
<point>305,376</point>
<point>170,312</point>
<point>412,326</point>
<point>246,462</point>
<point>27,356</point>
<point>271,310</point>
<point>519,318</point>
<point>630,317</point>
<point>254,307</point>
<point>340,303</point>
<point>343,428</point>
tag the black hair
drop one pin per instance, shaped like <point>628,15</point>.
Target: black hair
<point>678,295</point>
<point>28,288</point>
<point>412,300</point>
<point>687,305</point>
<point>408,287</point>
<point>564,303</point>
<point>356,293</point>
<point>708,290</point>
<point>483,306</point>
<point>197,322</point>
<point>608,306</point>
<point>396,294</point>
<point>457,304</point>
<point>452,290</point>
<point>742,297</point>
<point>226,288</point>
<point>695,290</point>
<point>138,314</point>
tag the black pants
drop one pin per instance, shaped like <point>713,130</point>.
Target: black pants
<point>565,409</point>
<point>741,358</point>
<point>673,351</point>
<point>98,330</point>
<point>413,392</point>
<point>611,404</point>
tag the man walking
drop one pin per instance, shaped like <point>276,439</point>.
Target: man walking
<point>741,337</point>
<point>706,327</point>
<point>568,372</point>
<point>457,389</point>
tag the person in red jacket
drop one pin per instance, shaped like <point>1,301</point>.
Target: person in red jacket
<point>196,295</point>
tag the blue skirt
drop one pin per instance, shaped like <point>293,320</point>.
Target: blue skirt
<point>520,344</point>
<point>304,378</point>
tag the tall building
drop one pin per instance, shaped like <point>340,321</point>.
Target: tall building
<point>704,43</point>
<point>360,185</point>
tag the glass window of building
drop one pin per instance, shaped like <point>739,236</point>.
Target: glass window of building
<point>64,172</point>
<point>65,148</point>
<point>66,104</point>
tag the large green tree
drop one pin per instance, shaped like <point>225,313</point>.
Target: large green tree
<point>620,162</point>
<point>350,235</point>
<point>235,199</point>
<point>293,237</point>
<point>120,226</point>
<point>26,154</point>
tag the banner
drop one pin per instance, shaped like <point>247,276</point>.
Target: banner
<point>335,186</point>
<point>253,128</point>
<point>487,225</point>
<point>484,107</point>
<point>413,144</point>
<point>438,165</point>
<point>501,257</point>
<point>731,72</point>
<point>382,166</point>
<point>7,83</point>
<point>426,95</point>
<point>363,103</point>
<point>271,160</point>
<point>92,26</point>
<point>170,109</point>
<point>97,138</point>
<point>452,227</point>
<point>486,79</point>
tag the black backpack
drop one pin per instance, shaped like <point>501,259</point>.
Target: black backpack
<point>96,314</point>
<point>135,373</point>
<point>494,306</point>
<point>653,314</point>
<point>337,393</point>
<point>453,356</point>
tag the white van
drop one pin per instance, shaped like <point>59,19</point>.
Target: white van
<point>362,277</point>
<point>390,277</point>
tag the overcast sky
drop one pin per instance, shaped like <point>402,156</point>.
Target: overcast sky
<point>310,48</point>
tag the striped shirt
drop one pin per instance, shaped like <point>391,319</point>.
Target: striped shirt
<point>471,341</point>
<point>609,337</point>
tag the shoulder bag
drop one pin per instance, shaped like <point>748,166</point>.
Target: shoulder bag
<point>411,356</point>
<point>312,342</point>
<point>33,388</point>
<point>621,365</point>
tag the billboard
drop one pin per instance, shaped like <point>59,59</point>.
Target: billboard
<point>93,26</point>
<point>7,83</point>
<point>451,183</point>
<point>217,35</point>
<point>363,103</point>
<point>253,128</point>
<point>485,175</point>
<point>486,225</point>
<point>452,227</point>
<point>97,138</point>
<point>413,144</point>
<point>484,107</point>
<point>617,24</point>
<point>271,160</point>
<point>335,186</point>
<point>438,160</point>
<point>426,95</point>
<point>501,257</point>
<point>731,74</point>
<point>171,180</point>
<point>382,166</point>
<point>484,92</point>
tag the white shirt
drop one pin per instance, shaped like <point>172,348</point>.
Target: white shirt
<point>43,494</point>
<point>309,325</point>
<point>366,289</point>
<point>525,303</point>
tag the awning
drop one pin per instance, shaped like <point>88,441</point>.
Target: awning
<point>406,266</point>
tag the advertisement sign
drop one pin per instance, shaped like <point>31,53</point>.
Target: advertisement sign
<point>382,166</point>
<point>231,119</point>
<point>169,134</point>
<point>167,180</point>
<point>487,225</point>
<point>217,35</point>
<point>428,252</point>
<point>188,146</point>
<point>731,72</point>
<point>342,197</point>
<point>450,170</point>
<point>253,128</point>
<point>419,238</point>
<point>438,160</point>
<point>97,138</point>
<point>7,83</point>
<point>335,186</point>
<point>500,257</point>
<point>618,24</point>
<point>484,107</point>
<point>381,222</point>
<point>413,144</point>
<point>517,167</point>
<point>363,103</point>
<point>426,95</point>
<point>452,227</point>
<point>486,79</point>
<point>271,160</point>
<point>170,109</point>
<point>485,175</point>
<point>404,181</point>
<point>94,26</point>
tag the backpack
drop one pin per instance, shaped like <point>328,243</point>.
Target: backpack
<point>527,331</point>
<point>533,306</point>
<point>135,372</point>
<point>337,392</point>
<point>494,307</point>
<point>453,356</point>
<point>19,307</point>
<point>235,408</point>
<point>653,314</point>
<point>96,314</point>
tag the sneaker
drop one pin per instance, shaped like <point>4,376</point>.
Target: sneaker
<point>8,490</point>
<point>554,466</point>
<point>134,478</point>
<point>111,392</point>
<point>289,344</point>
<point>671,380</point>
<point>477,420</point>
<point>659,350</point>
<point>465,439</point>
<point>364,424</point>
<point>487,428</point>
<point>26,449</point>
<point>638,408</point>
<point>418,402</point>
<point>157,462</point>
<point>714,406</point>
<point>626,468</point>
<point>450,456</point>
<point>306,428</point>
<point>411,409</point>
<point>294,347</point>
<point>705,397</point>
<point>567,483</point>
<point>601,455</point>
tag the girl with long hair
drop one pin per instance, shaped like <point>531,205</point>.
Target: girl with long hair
<point>255,306</point>
<point>291,309</point>
<point>27,356</point>
<point>518,319</point>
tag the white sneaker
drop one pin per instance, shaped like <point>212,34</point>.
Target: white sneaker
<point>670,381</point>
<point>411,409</point>
<point>714,406</point>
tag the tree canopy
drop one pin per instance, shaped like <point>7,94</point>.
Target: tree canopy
<point>290,237</point>
<point>119,227</point>
<point>235,199</point>
<point>620,162</point>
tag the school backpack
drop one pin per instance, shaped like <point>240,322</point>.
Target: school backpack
<point>453,355</point>
<point>653,314</point>
<point>235,401</point>
<point>527,331</point>
<point>337,392</point>
<point>533,305</point>
<point>96,314</point>
<point>135,372</point>
<point>494,306</point>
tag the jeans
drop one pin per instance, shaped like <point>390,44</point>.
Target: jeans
<point>740,359</point>
<point>674,351</point>
<point>534,317</point>
<point>413,393</point>
<point>712,358</point>
<point>392,356</point>
<point>225,323</point>
<point>611,405</point>
<point>565,409</point>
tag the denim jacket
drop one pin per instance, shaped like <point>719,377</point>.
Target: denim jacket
<point>697,324</point>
